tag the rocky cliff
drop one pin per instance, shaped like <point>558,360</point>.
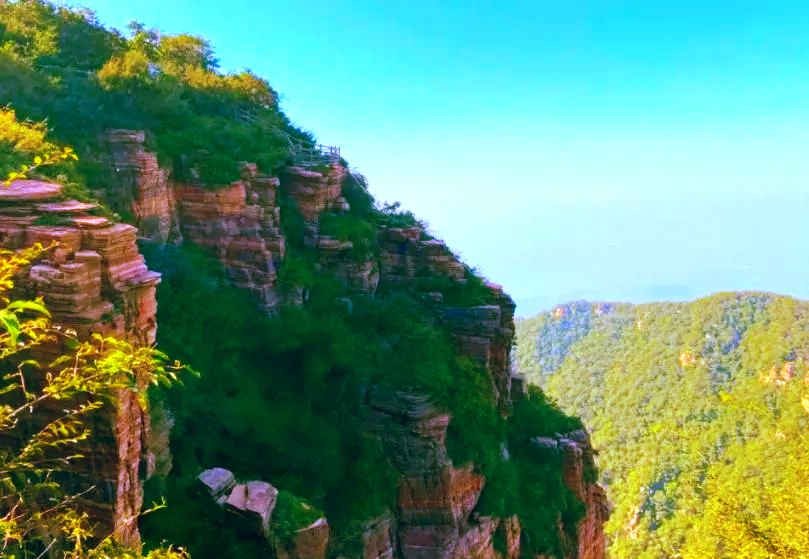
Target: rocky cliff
<point>96,281</point>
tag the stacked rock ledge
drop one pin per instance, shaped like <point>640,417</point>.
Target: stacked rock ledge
<point>93,280</point>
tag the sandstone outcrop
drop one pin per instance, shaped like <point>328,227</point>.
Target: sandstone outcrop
<point>434,498</point>
<point>337,258</point>
<point>309,542</point>
<point>315,192</point>
<point>378,538</point>
<point>137,185</point>
<point>93,281</point>
<point>239,224</point>
<point>485,333</point>
<point>218,483</point>
<point>586,540</point>
<point>241,233</point>
<point>404,256</point>
<point>579,465</point>
<point>252,503</point>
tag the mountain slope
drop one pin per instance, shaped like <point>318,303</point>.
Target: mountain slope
<point>354,396</point>
<point>696,410</point>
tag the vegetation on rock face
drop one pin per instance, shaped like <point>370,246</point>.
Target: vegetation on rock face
<point>62,66</point>
<point>279,396</point>
<point>290,387</point>
<point>44,417</point>
<point>46,408</point>
<point>697,411</point>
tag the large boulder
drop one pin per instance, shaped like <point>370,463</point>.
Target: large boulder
<point>254,501</point>
<point>218,483</point>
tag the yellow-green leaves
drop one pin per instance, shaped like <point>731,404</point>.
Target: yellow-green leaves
<point>27,141</point>
<point>56,402</point>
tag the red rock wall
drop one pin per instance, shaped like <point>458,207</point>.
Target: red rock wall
<point>578,463</point>
<point>240,225</point>
<point>314,192</point>
<point>378,538</point>
<point>485,333</point>
<point>403,254</point>
<point>240,234</point>
<point>137,186</point>
<point>94,282</point>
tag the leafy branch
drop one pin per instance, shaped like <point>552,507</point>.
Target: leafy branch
<point>67,153</point>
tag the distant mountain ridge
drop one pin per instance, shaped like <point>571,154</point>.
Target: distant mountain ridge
<point>698,409</point>
<point>641,251</point>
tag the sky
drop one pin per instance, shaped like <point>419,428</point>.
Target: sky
<point>605,150</point>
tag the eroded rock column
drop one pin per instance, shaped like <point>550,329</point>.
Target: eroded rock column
<point>95,281</point>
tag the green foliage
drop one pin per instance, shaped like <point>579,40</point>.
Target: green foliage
<point>470,293</point>
<point>285,390</point>
<point>23,149</point>
<point>44,417</point>
<point>477,429</point>
<point>180,54</point>
<point>292,222</point>
<point>696,409</point>
<point>63,65</point>
<point>348,227</point>
<point>291,514</point>
<point>292,386</point>
<point>355,191</point>
<point>542,496</point>
<point>129,72</point>
<point>391,216</point>
<point>17,326</point>
<point>284,387</point>
<point>296,271</point>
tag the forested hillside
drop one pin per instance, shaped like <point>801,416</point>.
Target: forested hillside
<point>700,413</point>
<point>347,360</point>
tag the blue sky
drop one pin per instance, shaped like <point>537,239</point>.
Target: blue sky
<point>599,149</point>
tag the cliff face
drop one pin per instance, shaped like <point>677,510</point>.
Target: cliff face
<point>238,224</point>
<point>243,234</point>
<point>579,465</point>
<point>97,282</point>
<point>141,186</point>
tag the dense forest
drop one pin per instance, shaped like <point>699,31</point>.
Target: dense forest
<point>286,385</point>
<point>700,413</point>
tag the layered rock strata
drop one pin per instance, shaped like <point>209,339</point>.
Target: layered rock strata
<point>315,192</point>
<point>337,258</point>
<point>378,538</point>
<point>240,226</point>
<point>586,540</point>
<point>485,333</point>
<point>405,255</point>
<point>93,281</point>
<point>137,185</point>
<point>579,474</point>
<point>434,498</point>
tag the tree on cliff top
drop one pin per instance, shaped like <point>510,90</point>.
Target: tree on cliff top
<point>61,64</point>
